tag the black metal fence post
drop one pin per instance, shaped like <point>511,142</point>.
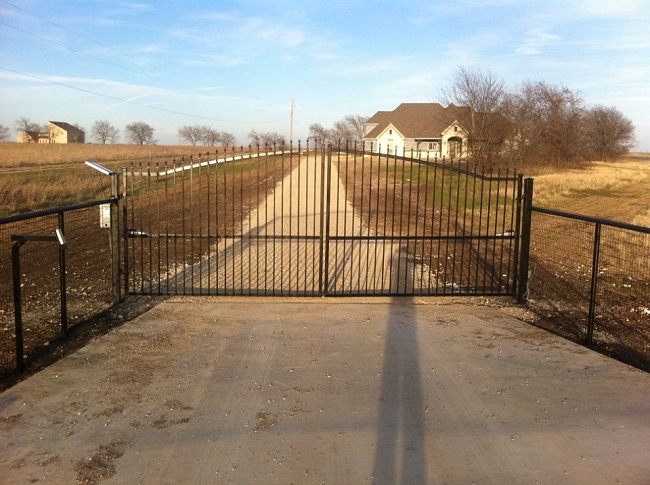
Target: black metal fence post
<point>62,280</point>
<point>594,283</point>
<point>125,229</point>
<point>522,290</point>
<point>18,307</point>
<point>114,238</point>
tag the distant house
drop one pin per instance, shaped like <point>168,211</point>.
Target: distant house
<point>428,129</point>
<point>57,132</point>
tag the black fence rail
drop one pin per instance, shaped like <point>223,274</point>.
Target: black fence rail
<point>58,269</point>
<point>589,280</point>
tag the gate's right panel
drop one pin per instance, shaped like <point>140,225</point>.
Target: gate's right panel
<point>408,226</point>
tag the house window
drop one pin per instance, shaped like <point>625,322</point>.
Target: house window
<point>390,132</point>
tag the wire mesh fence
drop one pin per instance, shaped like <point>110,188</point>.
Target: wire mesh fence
<point>590,281</point>
<point>58,287</point>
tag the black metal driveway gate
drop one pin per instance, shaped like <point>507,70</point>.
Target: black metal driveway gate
<point>320,222</point>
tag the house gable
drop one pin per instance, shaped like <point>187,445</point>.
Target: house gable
<point>424,127</point>
<point>62,132</point>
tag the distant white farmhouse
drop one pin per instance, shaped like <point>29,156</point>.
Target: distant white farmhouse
<point>428,129</point>
<point>57,132</point>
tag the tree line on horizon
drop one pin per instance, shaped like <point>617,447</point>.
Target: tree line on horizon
<point>535,122</point>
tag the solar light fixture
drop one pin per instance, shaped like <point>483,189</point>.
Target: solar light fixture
<point>100,168</point>
<point>61,238</point>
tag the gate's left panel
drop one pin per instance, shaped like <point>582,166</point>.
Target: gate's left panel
<point>218,224</point>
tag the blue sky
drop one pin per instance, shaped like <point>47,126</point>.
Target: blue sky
<point>236,65</point>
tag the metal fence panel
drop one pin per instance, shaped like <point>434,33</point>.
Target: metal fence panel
<point>47,312</point>
<point>591,282</point>
<point>315,222</point>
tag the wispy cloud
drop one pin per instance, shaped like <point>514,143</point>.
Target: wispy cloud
<point>620,9</point>
<point>535,41</point>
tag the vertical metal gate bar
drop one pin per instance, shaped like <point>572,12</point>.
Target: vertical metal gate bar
<point>175,242</point>
<point>463,232</point>
<point>249,228</point>
<point>480,228</point>
<point>217,229</point>
<point>360,210</point>
<point>373,269</point>
<point>487,233</point>
<point>266,225</point>
<point>308,249</point>
<point>450,197</point>
<point>125,224</point>
<point>241,250</point>
<point>434,268</point>
<point>379,245</point>
<point>340,265</point>
<point>457,284</point>
<point>158,240</point>
<point>424,225</point>
<point>406,214</point>
<point>208,220</point>
<point>291,232</point>
<point>441,268</point>
<point>414,284</point>
<point>200,215</point>
<point>387,234</point>
<point>471,229</point>
<point>140,218</point>
<point>316,201</point>
<point>257,206</point>
<point>518,233</point>
<point>502,230</point>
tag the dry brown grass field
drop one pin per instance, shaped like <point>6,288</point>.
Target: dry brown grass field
<point>613,190</point>
<point>34,177</point>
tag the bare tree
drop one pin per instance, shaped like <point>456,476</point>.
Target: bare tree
<point>104,132</point>
<point>319,134</point>
<point>192,134</point>
<point>25,124</point>
<point>608,134</point>
<point>356,125</point>
<point>4,133</point>
<point>227,139</point>
<point>272,138</point>
<point>482,93</point>
<point>255,138</point>
<point>209,136</point>
<point>140,133</point>
<point>342,133</point>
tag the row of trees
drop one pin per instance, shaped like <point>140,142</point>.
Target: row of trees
<point>351,129</point>
<point>535,122</point>
<point>138,133</point>
<point>102,131</point>
<point>206,135</point>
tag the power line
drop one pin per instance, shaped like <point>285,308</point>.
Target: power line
<point>115,98</point>
<point>140,61</point>
<point>44,39</point>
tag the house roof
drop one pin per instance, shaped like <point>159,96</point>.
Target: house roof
<point>65,126</point>
<point>417,120</point>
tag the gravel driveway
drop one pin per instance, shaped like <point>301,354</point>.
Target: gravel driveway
<point>320,390</point>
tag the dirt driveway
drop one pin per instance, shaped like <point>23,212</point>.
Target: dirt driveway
<point>328,391</point>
